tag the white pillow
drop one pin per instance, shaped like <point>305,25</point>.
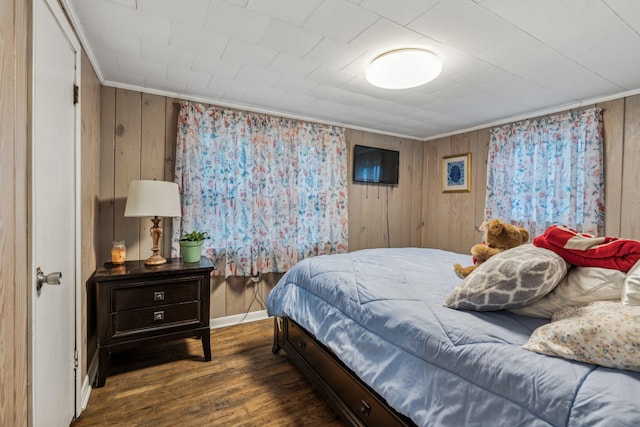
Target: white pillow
<point>631,289</point>
<point>581,285</point>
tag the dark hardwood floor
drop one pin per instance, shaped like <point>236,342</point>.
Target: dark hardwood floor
<point>243,385</point>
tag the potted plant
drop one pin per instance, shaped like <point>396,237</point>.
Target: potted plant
<point>191,245</point>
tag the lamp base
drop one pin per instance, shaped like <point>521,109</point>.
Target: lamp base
<point>155,259</point>
<point>156,233</point>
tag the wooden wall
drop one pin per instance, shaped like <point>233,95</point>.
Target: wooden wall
<point>627,165</point>
<point>133,146</point>
<point>14,74</point>
<point>451,219</point>
<point>387,215</point>
<point>89,177</point>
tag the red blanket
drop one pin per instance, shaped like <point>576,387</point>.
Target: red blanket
<point>584,250</point>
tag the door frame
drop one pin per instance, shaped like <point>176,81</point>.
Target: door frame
<point>70,34</point>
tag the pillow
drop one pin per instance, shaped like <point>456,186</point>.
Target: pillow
<point>604,333</point>
<point>581,285</point>
<point>631,289</point>
<point>512,278</point>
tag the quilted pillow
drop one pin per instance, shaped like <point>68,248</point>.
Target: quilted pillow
<point>604,333</point>
<point>631,289</point>
<point>581,285</point>
<point>512,278</point>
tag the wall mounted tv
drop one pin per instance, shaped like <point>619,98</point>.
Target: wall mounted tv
<point>375,165</point>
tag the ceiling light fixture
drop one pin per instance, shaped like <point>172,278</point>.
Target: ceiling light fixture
<point>403,68</point>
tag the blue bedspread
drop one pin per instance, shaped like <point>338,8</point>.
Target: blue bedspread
<point>380,311</point>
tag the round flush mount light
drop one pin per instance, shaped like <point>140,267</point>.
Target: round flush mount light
<point>403,68</point>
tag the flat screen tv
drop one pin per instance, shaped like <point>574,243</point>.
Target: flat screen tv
<point>375,165</point>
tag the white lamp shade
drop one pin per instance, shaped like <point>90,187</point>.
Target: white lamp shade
<point>403,68</point>
<point>153,198</point>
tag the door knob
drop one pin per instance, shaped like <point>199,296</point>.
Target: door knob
<point>48,279</point>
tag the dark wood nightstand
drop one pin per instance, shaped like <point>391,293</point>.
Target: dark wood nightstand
<point>138,305</point>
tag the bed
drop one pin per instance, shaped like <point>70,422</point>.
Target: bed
<point>369,330</point>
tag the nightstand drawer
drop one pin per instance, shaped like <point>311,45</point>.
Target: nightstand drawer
<point>139,320</point>
<point>159,293</point>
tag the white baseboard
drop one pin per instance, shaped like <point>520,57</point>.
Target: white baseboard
<point>236,319</point>
<point>86,383</point>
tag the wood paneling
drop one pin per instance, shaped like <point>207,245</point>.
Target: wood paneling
<point>106,194</point>
<point>152,165</point>
<point>19,411</point>
<point>386,215</point>
<point>415,224</point>
<point>89,181</point>
<point>629,218</point>
<point>479,170</point>
<point>127,167</point>
<point>136,144</point>
<point>613,116</point>
<point>170,135</point>
<point>14,289</point>
<point>451,218</point>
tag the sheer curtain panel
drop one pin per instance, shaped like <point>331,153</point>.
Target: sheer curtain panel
<point>269,191</point>
<point>548,171</point>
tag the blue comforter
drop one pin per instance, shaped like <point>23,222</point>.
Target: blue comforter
<point>380,311</point>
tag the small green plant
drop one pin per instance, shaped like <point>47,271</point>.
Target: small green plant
<point>194,236</point>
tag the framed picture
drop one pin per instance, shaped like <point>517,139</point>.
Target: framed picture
<point>456,173</point>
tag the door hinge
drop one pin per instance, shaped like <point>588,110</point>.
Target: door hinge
<point>76,94</point>
<point>75,358</point>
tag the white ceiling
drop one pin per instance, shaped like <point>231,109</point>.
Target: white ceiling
<point>503,59</point>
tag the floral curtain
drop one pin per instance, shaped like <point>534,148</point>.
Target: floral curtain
<point>548,171</point>
<point>269,191</point>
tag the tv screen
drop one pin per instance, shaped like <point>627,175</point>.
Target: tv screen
<point>375,165</point>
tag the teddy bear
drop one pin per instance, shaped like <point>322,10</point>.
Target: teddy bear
<point>498,236</point>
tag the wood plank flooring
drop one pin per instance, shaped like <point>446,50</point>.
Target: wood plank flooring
<point>243,385</point>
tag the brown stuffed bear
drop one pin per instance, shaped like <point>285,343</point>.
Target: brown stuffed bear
<point>498,236</point>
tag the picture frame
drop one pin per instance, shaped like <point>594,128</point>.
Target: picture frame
<point>456,173</point>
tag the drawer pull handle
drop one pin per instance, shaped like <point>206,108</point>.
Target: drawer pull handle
<point>158,296</point>
<point>302,345</point>
<point>158,315</point>
<point>365,408</point>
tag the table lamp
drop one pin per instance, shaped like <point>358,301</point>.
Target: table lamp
<point>156,199</point>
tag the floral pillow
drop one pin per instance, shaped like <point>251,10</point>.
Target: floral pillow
<point>513,278</point>
<point>604,333</point>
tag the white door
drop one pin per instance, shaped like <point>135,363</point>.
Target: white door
<point>53,216</point>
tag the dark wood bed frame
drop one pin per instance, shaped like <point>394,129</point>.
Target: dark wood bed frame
<point>355,402</point>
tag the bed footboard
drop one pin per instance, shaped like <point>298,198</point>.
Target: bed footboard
<point>352,399</point>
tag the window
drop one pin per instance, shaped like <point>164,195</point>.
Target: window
<point>548,171</point>
<point>270,191</point>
